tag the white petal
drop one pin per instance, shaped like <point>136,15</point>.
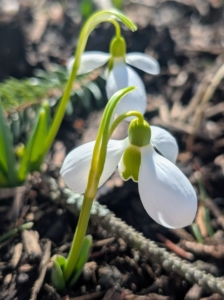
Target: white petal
<point>122,76</point>
<point>90,61</point>
<point>143,62</point>
<point>166,194</point>
<point>163,141</point>
<point>76,166</point>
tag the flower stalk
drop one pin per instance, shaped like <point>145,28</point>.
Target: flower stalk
<point>96,169</point>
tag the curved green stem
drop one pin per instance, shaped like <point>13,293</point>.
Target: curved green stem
<point>117,27</point>
<point>120,118</point>
<point>97,18</point>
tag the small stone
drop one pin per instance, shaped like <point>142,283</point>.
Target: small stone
<point>7,279</point>
<point>22,278</point>
<point>98,288</point>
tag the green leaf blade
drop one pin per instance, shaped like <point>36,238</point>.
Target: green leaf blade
<point>84,255</point>
<point>7,156</point>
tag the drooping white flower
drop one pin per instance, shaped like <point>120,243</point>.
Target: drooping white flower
<point>166,194</point>
<point>119,74</point>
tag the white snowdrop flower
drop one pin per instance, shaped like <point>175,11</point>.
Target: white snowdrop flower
<point>166,194</point>
<point>119,75</point>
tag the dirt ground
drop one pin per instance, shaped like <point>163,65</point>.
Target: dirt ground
<point>187,38</point>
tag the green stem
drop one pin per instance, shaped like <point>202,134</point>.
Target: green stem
<point>61,109</point>
<point>78,238</point>
<point>97,164</point>
<point>117,27</point>
<point>120,118</point>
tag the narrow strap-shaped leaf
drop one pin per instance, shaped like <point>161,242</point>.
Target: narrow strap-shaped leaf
<point>197,233</point>
<point>207,221</point>
<point>84,255</point>
<point>47,108</point>
<point>57,277</point>
<point>33,146</point>
<point>37,152</point>
<point>3,170</point>
<point>8,160</point>
<point>3,179</point>
<point>3,158</point>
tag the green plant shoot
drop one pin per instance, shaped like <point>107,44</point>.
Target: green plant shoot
<point>65,272</point>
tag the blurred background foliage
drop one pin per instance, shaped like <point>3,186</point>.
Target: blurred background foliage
<point>21,98</point>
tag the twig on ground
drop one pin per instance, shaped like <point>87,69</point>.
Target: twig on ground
<point>17,252</point>
<point>216,251</point>
<point>189,110</point>
<point>213,297</point>
<point>182,234</point>
<point>174,125</point>
<point>92,296</point>
<point>151,296</point>
<point>26,268</point>
<point>42,270</point>
<point>215,211</point>
<point>54,295</point>
<point>104,242</point>
<point>175,248</point>
<point>201,107</point>
<point>31,244</point>
<point>194,293</point>
<point>7,279</point>
<point>18,201</point>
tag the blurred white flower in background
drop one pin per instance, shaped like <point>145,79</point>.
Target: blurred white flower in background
<point>119,75</point>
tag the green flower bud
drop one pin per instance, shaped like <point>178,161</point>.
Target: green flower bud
<point>118,47</point>
<point>130,163</point>
<point>139,133</point>
<point>20,150</point>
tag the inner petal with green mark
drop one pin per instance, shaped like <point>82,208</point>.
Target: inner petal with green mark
<point>130,163</point>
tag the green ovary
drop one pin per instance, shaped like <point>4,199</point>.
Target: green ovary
<point>139,133</point>
<point>130,163</point>
<point>118,47</point>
